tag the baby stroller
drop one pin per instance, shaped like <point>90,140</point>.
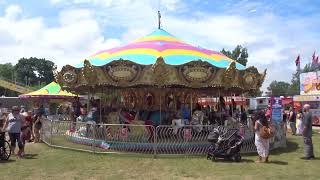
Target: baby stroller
<point>225,143</point>
<point>5,148</point>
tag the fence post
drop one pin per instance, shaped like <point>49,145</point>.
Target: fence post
<point>155,143</point>
<point>51,129</point>
<point>94,138</point>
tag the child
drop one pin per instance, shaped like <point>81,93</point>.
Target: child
<point>25,135</point>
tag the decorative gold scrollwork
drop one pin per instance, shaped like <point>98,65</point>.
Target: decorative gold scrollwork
<point>229,74</point>
<point>89,72</point>
<point>160,71</point>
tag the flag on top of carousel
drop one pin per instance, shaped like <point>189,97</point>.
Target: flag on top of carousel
<point>314,61</point>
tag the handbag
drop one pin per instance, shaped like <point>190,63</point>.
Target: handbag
<point>266,132</point>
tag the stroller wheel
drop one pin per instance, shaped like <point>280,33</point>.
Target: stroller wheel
<point>209,157</point>
<point>237,158</point>
<point>213,158</point>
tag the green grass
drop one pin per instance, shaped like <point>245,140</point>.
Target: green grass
<point>44,162</point>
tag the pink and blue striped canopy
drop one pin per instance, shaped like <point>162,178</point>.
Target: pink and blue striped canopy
<point>160,43</point>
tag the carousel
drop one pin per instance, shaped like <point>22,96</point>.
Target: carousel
<point>159,72</point>
<point>156,75</point>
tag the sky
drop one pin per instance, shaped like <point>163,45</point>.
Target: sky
<point>67,31</point>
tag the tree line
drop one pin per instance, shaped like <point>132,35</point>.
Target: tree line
<point>32,72</point>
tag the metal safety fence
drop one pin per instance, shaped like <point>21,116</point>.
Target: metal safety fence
<point>129,138</point>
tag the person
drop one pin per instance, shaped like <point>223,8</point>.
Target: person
<point>177,121</point>
<point>299,123</point>
<point>37,127</point>
<point>3,116</point>
<point>232,108</point>
<point>262,144</point>
<point>292,120</point>
<point>284,120</point>
<point>29,124</point>
<point>185,113</point>
<point>307,133</point>
<point>76,107</point>
<point>243,116</point>
<point>268,112</point>
<point>197,118</point>
<point>13,123</point>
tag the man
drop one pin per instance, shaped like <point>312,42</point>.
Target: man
<point>14,124</point>
<point>292,120</point>
<point>186,113</point>
<point>307,133</point>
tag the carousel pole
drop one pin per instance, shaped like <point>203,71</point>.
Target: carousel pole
<point>160,106</point>
<point>100,106</point>
<point>191,103</point>
<point>219,106</point>
<point>88,100</point>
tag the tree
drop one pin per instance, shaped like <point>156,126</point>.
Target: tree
<point>34,70</point>
<point>278,88</point>
<point>6,71</point>
<point>294,88</point>
<point>254,93</point>
<point>239,54</point>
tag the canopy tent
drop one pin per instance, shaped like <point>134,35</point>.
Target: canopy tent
<point>50,91</point>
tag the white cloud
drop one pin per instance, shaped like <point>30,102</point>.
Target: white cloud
<point>77,36</point>
<point>13,11</point>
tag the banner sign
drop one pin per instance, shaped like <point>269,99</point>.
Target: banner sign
<point>276,105</point>
<point>310,83</point>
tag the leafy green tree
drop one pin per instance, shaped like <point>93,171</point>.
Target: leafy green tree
<point>294,88</point>
<point>254,93</point>
<point>34,70</point>
<point>239,54</point>
<point>7,71</point>
<point>278,88</point>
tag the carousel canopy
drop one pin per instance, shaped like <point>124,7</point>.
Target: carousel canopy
<point>160,60</point>
<point>50,91</point>
<point>161,44</point>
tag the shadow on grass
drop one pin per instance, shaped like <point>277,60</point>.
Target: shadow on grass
<point>7,161</point>
<point>278,162</point>
<point>30,156</point>
<point>230,161</point>
<point>291,147</point>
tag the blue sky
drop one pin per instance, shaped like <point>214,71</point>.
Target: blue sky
<point>66,31</point>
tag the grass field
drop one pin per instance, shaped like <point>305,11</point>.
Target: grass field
<point>43,162</point>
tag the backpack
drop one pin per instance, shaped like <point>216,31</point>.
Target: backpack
<point>265,132</point>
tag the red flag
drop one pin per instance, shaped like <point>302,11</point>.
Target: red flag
<point>313,57</point>
<point>298,60</point>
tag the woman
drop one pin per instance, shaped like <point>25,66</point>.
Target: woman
<point>13,124</point>
<point>262,144</point>
<point>299,123</point>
